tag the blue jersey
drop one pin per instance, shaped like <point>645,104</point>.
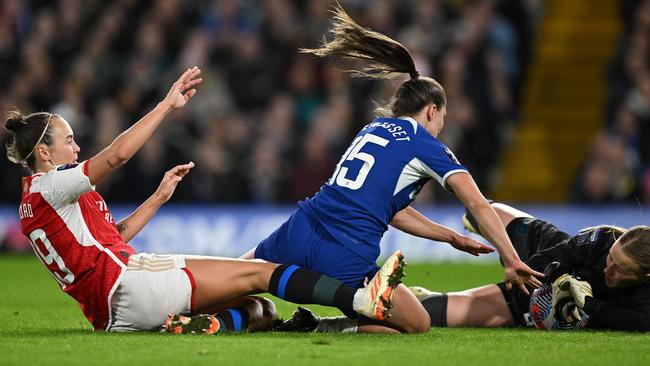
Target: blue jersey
<point>380,174</point>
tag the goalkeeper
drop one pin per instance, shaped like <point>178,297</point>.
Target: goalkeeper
<point>603,271</point>
<point>602,281</point>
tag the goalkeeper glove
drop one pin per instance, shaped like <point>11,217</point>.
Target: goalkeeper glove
<point>562,297</point>
<point>579,289</point>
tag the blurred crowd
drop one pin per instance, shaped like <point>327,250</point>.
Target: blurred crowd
<point>268,124</point>
<point>618,166</point>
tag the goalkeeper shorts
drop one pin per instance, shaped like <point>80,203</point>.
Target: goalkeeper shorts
<point>517,302</point>
<point>530,235</point>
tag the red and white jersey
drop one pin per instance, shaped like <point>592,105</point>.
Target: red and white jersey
<point>74,235</point>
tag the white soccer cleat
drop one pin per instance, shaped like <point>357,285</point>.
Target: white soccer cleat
<point>378,292</point>
<point>421,293</point>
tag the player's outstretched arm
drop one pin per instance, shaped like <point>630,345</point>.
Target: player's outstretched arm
<point>411,221</point>
<point>131,226</point>
<point>131,140</point>
<point>493,230</point>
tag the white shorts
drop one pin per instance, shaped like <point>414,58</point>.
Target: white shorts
<point>153,287</point>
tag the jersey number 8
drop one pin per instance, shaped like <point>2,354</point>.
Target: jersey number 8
<point>354,152</point>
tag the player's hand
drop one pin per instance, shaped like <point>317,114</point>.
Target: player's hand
<point>170,181</point>
<point>578,288</point>
<point>563,303</point>
<point>471,246</point>
<point>182,90</point>
<point>520,274</point>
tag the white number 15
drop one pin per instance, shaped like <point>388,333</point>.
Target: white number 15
<point>354,152</point>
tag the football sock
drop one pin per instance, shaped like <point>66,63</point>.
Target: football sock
<point>233,320</point>
<point>339,324</point>
<point>304,286</point>
<point>436,306</point>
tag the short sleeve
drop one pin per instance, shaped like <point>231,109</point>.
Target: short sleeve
<point>65,183</point>
<point>437,160</point>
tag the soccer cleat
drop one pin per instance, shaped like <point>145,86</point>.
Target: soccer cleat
<point>470,224</point>
<point>197,324</point>
<point>302,320</point>
<point>377,293</point>
<point>421,293</point>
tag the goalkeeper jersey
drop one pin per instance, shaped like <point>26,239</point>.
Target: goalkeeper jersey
<point>585,256</point>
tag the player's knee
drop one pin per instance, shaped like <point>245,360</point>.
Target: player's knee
<point>420,327</point>
<point>419,322</point>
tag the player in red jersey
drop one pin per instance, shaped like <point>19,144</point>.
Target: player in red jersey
<point>73,233</point>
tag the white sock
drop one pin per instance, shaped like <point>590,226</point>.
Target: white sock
<point>359,300</point>
<point>339,324</point>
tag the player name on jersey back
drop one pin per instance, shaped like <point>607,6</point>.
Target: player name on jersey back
<point>397,131</point>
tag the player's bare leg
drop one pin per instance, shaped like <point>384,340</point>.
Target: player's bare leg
<point>407,316</point>
<point>219,280</point>
<point>506,215</point>
<point>478,307</point>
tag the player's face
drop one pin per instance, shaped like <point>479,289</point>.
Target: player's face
<point>621,270</point>
<point>64,149</point>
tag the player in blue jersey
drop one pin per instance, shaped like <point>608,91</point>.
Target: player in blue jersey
<point>338,230</point>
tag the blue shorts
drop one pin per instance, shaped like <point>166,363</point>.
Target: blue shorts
<point>303,241</point>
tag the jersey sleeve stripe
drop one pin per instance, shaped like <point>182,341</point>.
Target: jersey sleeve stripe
<point>443,182</point>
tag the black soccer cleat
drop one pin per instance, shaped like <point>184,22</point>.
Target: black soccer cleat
<point>302,320</point>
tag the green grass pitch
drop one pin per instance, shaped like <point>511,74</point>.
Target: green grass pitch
<point>41,325</point>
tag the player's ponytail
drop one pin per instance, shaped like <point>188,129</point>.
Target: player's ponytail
<point>26,132</point>
<point>383,58</point>
<point>636,244</point>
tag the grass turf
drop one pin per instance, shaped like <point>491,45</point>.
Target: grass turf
<point>41,325</point>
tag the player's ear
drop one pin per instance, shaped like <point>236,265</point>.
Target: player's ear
<point>42,153</point>
<point>431,110</point>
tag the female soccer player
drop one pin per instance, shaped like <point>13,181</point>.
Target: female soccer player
<point>73,233</point>
<point>338,230</point>
<point>604,271</point>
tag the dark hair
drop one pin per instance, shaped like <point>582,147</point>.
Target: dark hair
<point>25,133</point>
<point>636,244</point>
<point>384,57</point>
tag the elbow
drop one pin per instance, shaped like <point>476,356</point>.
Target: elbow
<point>119,156</point>
<point>399,219</point>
